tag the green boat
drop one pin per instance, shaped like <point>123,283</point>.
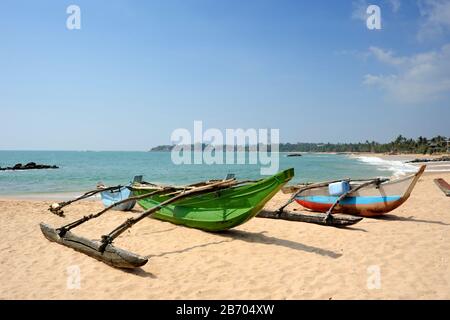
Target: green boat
<point>217,210</point>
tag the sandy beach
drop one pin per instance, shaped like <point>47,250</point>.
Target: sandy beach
<point>202,102</point>
<point>404,255</point>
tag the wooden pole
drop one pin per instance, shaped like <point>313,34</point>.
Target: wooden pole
<point>62,230</point>
<point>56,207</point>
<point>104,250</point>
<point>107,239</point>
<point>341,197</point>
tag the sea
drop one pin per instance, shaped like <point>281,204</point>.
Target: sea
<point>81,170</point>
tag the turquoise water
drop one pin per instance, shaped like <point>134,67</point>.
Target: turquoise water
<point>80,171</point>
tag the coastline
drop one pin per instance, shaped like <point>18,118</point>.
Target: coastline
<point>393,163</point>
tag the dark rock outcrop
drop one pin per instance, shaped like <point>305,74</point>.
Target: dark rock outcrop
<point>29,166</point>
<point>443,158</point>
<point>17,166</point>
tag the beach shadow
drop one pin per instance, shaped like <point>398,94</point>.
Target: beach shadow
<point>140,273</point>
<point>187,249</point>
<point>262,238</point>
<point>392,217</point>
<point>350,228</point>
<point>160,231</point>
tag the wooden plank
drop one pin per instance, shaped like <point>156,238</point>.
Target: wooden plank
<point>113,256</point>
<point>109,254</point>
<point>443,185</point>
<point>338,220</point>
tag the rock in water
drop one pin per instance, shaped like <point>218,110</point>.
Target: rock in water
<point>29,166</point>
<point>17,166</point>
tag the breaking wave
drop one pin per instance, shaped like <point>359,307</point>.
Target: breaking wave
<point>398,168</point>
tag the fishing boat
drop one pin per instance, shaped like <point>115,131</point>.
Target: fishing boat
<point>367,198</point>
<point>212,206</point>
<point>216,211</point>
<point>115,195</point>
<point>114,198</point>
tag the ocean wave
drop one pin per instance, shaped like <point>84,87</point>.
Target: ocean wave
<point>398,168</point>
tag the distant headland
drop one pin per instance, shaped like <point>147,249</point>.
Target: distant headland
<point>401,145</point>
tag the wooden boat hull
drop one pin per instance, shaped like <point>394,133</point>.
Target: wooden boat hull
<point>367,202</point>
<point>112,196</point>
<point>218,210</point>
<point>364,210</point>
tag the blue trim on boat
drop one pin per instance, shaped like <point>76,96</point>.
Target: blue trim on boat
<point>349,200</point>
<point>111,197</point>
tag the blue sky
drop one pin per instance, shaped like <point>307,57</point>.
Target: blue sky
<point>137,70</point>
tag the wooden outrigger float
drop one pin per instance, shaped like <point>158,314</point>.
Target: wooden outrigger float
<point>192,206</point>
<point>338,220</point>
<point>443,185</point>
<point>109,254</point>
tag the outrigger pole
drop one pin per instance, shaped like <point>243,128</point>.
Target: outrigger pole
<point>56,208</point>
<point>329,217</point>
<point>104,250</point>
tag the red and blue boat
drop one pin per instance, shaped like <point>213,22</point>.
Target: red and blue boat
<point>369,201</point>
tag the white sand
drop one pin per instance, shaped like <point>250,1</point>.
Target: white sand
<point>262,259</point>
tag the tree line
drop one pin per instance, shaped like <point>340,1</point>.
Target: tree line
<point>401,144</point>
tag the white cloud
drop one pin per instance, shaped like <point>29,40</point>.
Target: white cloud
<point>359,10</point>
<point>395,4</point>
<point>435,18</point>
<point>386,56</point>
<point>416,79</point>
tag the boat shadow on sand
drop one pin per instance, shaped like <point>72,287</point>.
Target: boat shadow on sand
<point>144,274</point>
<point>187,249</point>
<point>392,217</point>
<point>260,237</point>
<point>252,237</point>
<point>232,235</point>
<point>139,272</point>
